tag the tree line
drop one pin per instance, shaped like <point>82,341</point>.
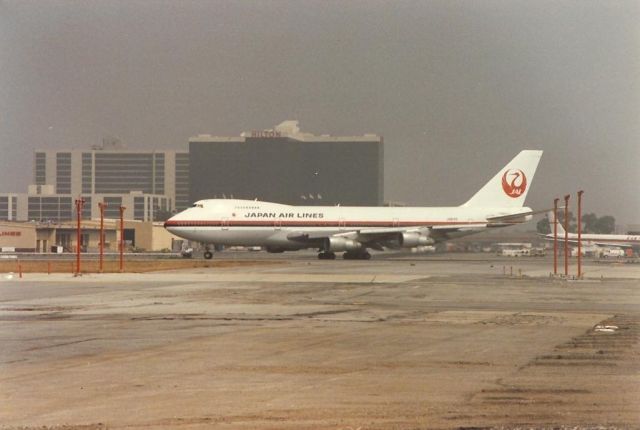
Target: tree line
<point>591,223</point>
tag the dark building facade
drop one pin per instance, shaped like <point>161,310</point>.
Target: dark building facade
<point>284,165</point>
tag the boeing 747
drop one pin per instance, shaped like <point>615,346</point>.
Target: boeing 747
<point>354,230</point>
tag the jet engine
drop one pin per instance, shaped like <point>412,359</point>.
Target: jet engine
<point>413,239</point>
<point>338,244</point>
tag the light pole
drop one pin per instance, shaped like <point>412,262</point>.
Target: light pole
<point>555,236</point>
<point>566,235</point>
<point>102,205</point>
<point>79,206</point>
<point>580,233</point>
<point>122,208</point>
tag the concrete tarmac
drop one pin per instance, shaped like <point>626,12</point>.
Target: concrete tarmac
<point>396,342</point>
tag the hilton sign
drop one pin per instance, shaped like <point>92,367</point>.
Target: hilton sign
<point>266,133</point>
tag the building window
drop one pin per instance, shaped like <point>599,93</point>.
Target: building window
<point>86,209</point>
<point>113,207</point>
<point>182,181</point>
<point>138,208</point>
<point>50,209</point>
<point>41,168</point>
<point>4,208</point>
<point>66,209</point>
<point>63,173</point>
<point>158,173</point>
<point>87,170</point>
<point>123,172</point>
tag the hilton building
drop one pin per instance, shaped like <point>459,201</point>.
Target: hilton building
<point>284,165</point>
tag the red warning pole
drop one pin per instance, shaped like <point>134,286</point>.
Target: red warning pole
<point>122,208</point>
<point>79,205</point>
<point>566,235</point>
<point>555,236</point>
<point>101,205</point>
<point>580,233</point>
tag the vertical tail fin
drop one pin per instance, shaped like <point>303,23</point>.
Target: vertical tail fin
<point>509,187</point>
<point>560,227</point>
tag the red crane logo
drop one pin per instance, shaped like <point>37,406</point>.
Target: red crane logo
<point>514,183</point>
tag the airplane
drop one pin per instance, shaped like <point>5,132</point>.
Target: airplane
<point>592,239</point>
<point>354,230</point>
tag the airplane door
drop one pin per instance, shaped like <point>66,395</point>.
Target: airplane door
<point>395,222</point>
<point>342,224</point>
<point>277,225</point>
<point>225,223</point>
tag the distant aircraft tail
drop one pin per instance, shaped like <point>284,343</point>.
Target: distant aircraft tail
<point>509,187</point>
<point>560,227</point>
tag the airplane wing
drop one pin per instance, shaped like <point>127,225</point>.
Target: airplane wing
<point>385,237</point>
<point>365,236</point>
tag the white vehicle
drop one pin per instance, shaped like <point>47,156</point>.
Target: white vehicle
<point>612,253</point>
<point>515,252</point>
<point>354,230</point>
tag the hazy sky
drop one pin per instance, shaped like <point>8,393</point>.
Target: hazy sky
<point>456,88</point>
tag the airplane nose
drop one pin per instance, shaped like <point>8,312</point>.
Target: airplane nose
<point>171,222</point>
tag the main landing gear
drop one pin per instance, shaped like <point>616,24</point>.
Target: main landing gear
<point>356,255</point>
<point>208,255</point>
<point>326,255</point>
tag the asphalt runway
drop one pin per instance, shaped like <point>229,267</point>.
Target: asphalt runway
<point>400,342</point>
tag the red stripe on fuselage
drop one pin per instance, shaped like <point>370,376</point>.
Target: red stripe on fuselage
<point>277,223</point>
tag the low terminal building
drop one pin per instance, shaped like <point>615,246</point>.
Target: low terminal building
<point>42,204</point>
<point>52,237</point>
<point>17,237</point>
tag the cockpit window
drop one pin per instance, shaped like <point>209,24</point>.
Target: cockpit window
<point>197,205</point>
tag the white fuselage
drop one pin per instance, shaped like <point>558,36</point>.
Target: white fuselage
<point>621,240</point>
<point>255,223</point>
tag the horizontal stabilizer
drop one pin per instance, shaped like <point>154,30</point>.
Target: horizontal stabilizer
<point>516,217</point>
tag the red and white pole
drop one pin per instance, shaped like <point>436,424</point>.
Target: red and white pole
<point>566,235</point>
<point>580,233</point>
<point>555,236</point>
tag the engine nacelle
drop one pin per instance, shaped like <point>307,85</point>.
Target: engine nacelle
<point>338,244</point>
<point>412,239</point>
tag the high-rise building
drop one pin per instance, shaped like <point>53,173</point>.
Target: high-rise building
<point>149,184</point>
<point>285,165</point>
<point>110,169</point>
